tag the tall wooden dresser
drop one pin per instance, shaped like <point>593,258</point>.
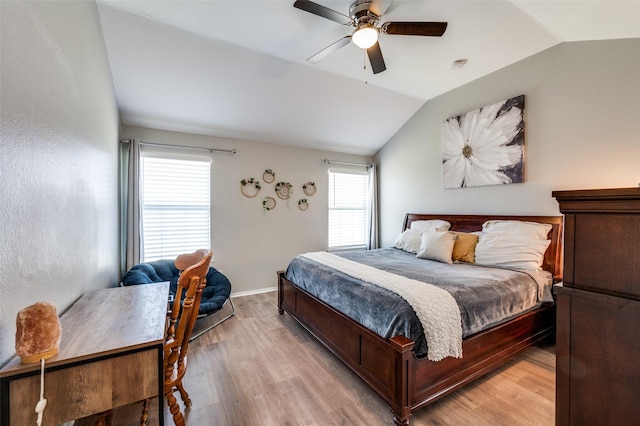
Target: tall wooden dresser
<point>598,309</point>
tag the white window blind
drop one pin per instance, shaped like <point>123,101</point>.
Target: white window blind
<point>347,209</point>
<point>175,206</point>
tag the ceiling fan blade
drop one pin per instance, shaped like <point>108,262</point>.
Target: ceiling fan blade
<point>329,50</point>
<point>434,29</point>
<point>322,11</point>
<point>376,59</point>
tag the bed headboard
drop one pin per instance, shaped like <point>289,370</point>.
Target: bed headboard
<point>470,223</point>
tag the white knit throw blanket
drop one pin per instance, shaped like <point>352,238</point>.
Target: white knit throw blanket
<point>436,309</point>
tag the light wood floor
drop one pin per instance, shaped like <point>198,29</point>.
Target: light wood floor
<point>261,368</point>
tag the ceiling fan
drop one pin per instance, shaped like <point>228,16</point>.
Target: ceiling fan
<point>364,16</point>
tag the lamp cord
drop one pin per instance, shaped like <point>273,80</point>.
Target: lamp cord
<point>42,403</point>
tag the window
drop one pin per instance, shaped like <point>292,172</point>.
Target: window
<point>175,204</point>
<point>347,209</point>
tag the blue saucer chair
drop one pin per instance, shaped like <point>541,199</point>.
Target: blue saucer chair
<point>214,295</point>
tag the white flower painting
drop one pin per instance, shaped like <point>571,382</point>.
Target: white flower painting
<point>485,146</point>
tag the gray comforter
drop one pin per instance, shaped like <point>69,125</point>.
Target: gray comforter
<point>486,296</point>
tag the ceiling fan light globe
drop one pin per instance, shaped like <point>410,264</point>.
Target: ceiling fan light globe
<point>365,36</point>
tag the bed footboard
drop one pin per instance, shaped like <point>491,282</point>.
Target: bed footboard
<point>383,364</point>
<point>389,366</point>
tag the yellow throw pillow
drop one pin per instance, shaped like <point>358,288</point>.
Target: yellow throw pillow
<point>464,249</point>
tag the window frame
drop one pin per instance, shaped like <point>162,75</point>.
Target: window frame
<point>363,207</point>
<point>178,155</point>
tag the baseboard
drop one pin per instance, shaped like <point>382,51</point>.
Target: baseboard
<point>250,292</point>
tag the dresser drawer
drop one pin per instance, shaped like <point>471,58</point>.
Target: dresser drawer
<point>601,253</point>
<point>601,240</point>
<point>597,345</point>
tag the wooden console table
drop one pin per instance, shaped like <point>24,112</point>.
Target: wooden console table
<point>110,356</point>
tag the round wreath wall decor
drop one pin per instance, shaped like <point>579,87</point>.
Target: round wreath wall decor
<point>269,176</point>
<point>309,188</point>
<point>269,203</point>
<point>250,187</point>
<point>303,204</point>
<point>284,190</point>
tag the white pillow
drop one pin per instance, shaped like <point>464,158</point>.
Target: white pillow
<point>409,241</point>
<point>437,246</point>
<point>435,225</point>
<point>525,254</point>
<point>517,228</point>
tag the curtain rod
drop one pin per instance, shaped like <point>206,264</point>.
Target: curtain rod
<point>231,151</point>
<point>345,163</point>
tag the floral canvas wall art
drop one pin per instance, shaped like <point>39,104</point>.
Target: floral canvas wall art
<point>485,146</point>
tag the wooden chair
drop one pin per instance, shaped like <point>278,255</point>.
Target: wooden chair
<point>183,315</point>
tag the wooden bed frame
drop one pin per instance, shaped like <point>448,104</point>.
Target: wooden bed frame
<point>390,367</point>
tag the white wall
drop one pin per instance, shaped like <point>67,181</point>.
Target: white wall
<point>58,159</point>
<point>582,103</point>
<point>249,245</point>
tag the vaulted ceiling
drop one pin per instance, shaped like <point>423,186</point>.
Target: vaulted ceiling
<point>238,68</point>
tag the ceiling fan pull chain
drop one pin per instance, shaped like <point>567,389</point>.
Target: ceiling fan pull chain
<point>364,64</point>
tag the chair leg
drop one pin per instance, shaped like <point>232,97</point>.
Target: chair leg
<point>104,418</point>
<point>200,333</point>
<point>184,395</point>
<point>174,408</point>
<point>145,413</point>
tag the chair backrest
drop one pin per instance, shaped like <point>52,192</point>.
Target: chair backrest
<point>193,278</point>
